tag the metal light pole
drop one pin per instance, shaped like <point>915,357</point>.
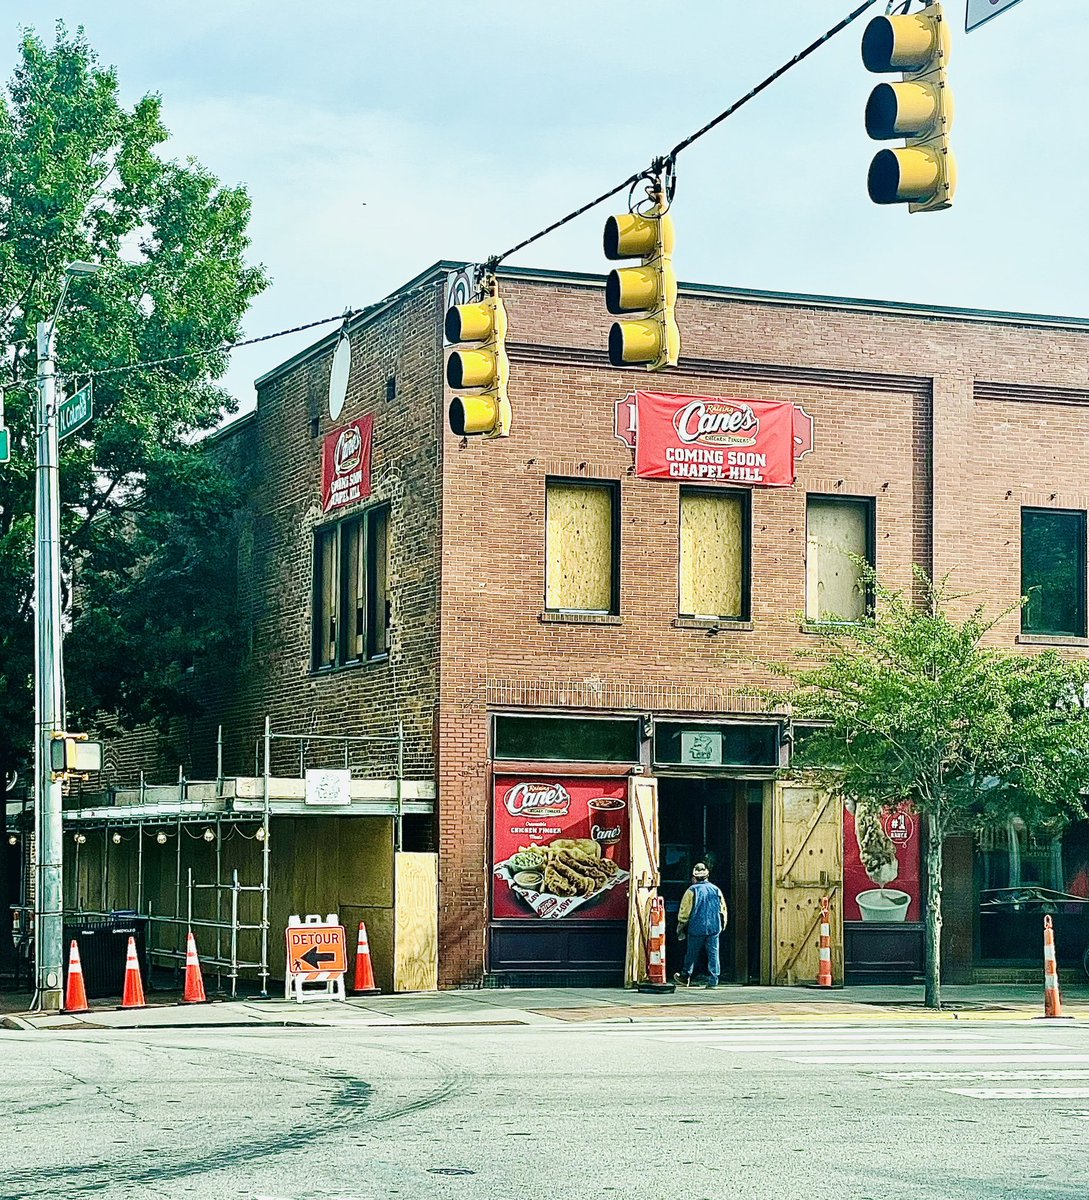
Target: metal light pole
<point>48,674</point>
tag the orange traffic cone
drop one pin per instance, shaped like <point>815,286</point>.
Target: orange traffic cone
<point>824,970</point>
<point>75,995</point>
<point>364,972</point>
<point>194,981</point>
<point>656,963</point>
<point>133,996</point>
<point>1053,1004</point>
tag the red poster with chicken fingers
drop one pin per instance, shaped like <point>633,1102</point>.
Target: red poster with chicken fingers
<point>560,848</point>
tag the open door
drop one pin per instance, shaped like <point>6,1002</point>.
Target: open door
<point>807,863</point>
<point>643,887</point>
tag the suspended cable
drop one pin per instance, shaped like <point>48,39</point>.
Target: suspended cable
<point>666,161</point>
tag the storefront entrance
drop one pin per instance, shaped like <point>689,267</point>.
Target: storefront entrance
<point>718,822</point>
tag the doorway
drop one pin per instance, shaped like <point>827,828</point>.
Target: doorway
<point>718,822</point>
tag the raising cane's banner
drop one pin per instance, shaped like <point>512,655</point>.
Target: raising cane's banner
<point>346,465</point>
<point>713,439</point>
<point>560,848</point>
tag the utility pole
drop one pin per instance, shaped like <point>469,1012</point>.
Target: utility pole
<point>48,674</point>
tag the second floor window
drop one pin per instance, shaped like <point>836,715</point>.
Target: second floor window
<point>1053,571</point>
<point>839,538</point>
<point>582,546</point>
<point>714,541</point>
<point>351,590</point>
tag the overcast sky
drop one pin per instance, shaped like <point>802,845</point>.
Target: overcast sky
<point>375,138</point>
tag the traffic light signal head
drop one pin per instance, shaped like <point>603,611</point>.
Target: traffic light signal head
<point>652,340</point>
<point>481,366</point>
<point>923,172</point>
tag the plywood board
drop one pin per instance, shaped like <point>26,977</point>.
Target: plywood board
<point>643,829</point>
<point>416,925</point>
<point>807,853</point>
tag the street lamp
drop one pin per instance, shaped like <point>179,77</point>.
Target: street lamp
<point>48,677</point>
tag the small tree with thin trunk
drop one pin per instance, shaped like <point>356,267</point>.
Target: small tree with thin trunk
<point>914,707</point>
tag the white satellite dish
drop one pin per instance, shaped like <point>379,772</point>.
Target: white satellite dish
<point>338,374</point>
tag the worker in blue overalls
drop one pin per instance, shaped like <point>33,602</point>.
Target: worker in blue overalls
<point>701,920</point>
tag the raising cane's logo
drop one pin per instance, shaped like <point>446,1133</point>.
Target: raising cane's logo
<point>349,451</point>
<point>717,423</point>
<point>534,800</point>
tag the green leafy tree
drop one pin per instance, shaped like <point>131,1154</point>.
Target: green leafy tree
<point>143,508</point>
<point>916,707</point>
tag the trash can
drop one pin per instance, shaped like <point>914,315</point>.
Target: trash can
<point>103,946</point>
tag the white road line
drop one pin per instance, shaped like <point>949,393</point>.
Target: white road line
<point>994,1076</point>
<point>892,1060</point>
<point>1021,1093</point>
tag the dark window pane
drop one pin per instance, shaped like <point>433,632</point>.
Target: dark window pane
<point>716,745</point>
<point>1053,571</point>
<point>566,739</point>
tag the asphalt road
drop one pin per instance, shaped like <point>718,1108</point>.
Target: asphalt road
<point>874,1110</point>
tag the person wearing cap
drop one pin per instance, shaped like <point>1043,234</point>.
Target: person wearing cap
<point>701,920</point>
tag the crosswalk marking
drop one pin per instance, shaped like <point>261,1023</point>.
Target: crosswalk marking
<point>861,1060</point>
<point>1021,1093</point>
<point>994,1076</point>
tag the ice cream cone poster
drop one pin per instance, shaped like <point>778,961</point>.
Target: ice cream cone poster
<point>880,862</point>
<point>560,848</point>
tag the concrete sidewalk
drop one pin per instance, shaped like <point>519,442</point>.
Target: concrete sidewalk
<point>550,1006</point>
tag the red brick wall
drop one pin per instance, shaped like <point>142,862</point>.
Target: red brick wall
<point>876,384</point>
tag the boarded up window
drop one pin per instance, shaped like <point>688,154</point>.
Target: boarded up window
<point>837,533</point>
<point>714,529</point>
<point>580,549</point>
<point>351,590</point>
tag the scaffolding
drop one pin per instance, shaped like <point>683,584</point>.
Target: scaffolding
<point>217,805</point>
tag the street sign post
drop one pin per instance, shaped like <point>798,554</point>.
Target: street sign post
<point>981,11</point>
<point>74,412</point>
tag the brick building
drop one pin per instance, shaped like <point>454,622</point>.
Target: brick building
<point>552,629</point>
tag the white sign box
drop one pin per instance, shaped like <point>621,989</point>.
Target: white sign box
<point>328,787</point>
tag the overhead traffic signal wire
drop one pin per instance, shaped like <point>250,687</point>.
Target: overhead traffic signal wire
<point>668,159</point>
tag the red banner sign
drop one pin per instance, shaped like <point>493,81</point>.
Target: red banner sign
<point>346,465</point>
<point>705,439</point>
<point>560,848</point>
<point>881,865</point>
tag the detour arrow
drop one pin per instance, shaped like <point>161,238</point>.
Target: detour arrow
<point>314,959</point>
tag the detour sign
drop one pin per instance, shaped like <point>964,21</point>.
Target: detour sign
<point>316,948</point>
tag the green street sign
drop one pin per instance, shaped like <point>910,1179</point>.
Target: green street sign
<point>5,446</point>
<point>74,413</point>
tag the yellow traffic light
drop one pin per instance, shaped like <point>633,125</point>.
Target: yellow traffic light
<point>483,366</point>
<point>652,340</point>
<point>922,173</point>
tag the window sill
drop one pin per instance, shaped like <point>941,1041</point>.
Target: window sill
<point>330,669</point>
<point>824,628</point>
<point>1051,639</point>
<point>579,618</point>
<point>714,624</point>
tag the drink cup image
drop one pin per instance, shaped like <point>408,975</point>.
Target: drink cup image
<point>883,904</point>
<point>607,823</point>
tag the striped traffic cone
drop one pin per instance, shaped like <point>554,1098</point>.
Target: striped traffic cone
<point>1053,1004</point>
<point>824,970</point>
<point>75,995</point>
<point>133,996</point>
<point>194,981</point>
<point>363,984</point>
<point>656,964</point>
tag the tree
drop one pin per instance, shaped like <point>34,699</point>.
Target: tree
<point>82,177</point>
<point>916,708</point>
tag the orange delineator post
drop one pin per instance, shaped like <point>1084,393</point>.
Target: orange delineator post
<point>824,970</point>
<point>194,981</point>
<point>75,995</point>
<point>133,996</point>
<point>1053,1004</point>
<point>656,964</point>
<point>364,972</point>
